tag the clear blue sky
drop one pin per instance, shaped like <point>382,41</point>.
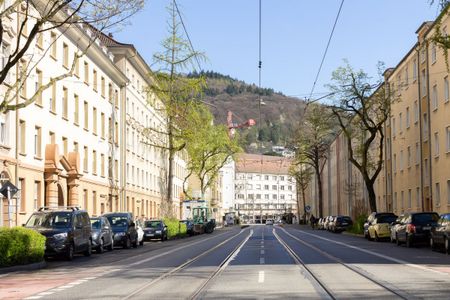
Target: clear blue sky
<point>294,36</point>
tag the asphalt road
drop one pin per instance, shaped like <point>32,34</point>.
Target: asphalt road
<point>259,262</point>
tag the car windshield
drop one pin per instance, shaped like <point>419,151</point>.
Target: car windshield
<point>386,219</point>
<point>95,223</point>
<point>425,218</point>
<point>50,220</point>
<point>118,221</point>
<point>152,224</point>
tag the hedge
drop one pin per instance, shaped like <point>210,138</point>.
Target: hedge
<point>19,246</point>
<point>175,228</point>
<point>358,225</point>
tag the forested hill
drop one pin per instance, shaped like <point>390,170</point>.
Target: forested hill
<point>279,113</point>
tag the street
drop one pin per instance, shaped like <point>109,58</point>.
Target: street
<point>258,262</point>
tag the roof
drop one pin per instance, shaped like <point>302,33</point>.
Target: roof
<point>264,164</point>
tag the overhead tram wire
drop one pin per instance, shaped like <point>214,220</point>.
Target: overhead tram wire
<point>187,34</point>
<point>259,79</point>
<point>324,54</point>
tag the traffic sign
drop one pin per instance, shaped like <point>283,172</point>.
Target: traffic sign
<point>307,208</point>
<point>8,188</point>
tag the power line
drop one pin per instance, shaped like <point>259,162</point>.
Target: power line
<point>326,50</point>
<point>187,34</point>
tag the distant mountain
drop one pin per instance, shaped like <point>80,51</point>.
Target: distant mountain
<point>279,113</point>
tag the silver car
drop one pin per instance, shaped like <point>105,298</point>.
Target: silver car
<point>102,235</point>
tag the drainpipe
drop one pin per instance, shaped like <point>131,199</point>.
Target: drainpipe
<point>429,132</point>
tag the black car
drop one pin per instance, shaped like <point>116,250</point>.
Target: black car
<point>371,218</point>
<point>341,223</point>
<point>68,230</point>
<point>124,229</point>
<point>189,226</point>
<point>155,229</point>
<point>102,234</point>
<point>415,227</point>
<point>440,234</point>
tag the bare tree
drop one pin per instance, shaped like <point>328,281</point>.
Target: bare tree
<point>34,17</point>
<point>302,175</point>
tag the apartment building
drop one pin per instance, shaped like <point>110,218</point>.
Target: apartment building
<point>263,187</point>
<point>82,142</point>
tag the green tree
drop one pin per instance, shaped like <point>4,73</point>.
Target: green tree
<point>302,174</point>
<point>362,108</point>
<point>311,142</point>
<point>175,93</point>
<point>208,146</point>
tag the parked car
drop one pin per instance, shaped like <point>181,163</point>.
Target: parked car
<point>331,222</point>
<point>415,227</point>
<point>320,224</point>
<point>393,227</point>
<point>379,228</point>
<point>327,222</point>
<point>140,232</point>
<point>155,229</point>
<point>341,223</point>
<point>189,226</point>
<point>68,230</point>
<point>440,234</point>
<point>124,229</point>
<point>269,222</point>
<point>102,234</point>
<point>371,218</point>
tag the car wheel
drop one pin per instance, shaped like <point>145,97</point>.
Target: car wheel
<point>446,246</point>
<point>100,248</point>
<point>432,244</point>
<point>409,242</point>
<point>111,246</point>
<point>88,251</point>
<point>127,244</point>
<point>70,252</point>
<point>397,241</point>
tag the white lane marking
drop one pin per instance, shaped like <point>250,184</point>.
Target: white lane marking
<point>396,260</point>
<point>261,277</point>
<point>232,257</point>
<point>262,261</point>
<point>262,252</point>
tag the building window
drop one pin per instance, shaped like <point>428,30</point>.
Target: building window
<point>401,160</point>
<point>94,80</point>
<point>94,203</point>
<point>23,198</point>
<point>38,85</point>
<point>424,83</point>
<point>102,87</point>
<point>447,131</point>
<point>23,77</point>
<point>52,99</point>
<point>406,76</point>
<point>427,170</point>
<point>102,120</point>
<point>395,163</point>
<point>53,52</point>
<point>22,137</point>
<point>94,162</point>
<point>400,123</point>
<point>65,146</point>
<point>446,89</point>
<point>425,127</point>
<point>86,115</point>
<point>437,194</point>
<point>3,129</point>
<point>436,144</point>
<point>51,137</point>
<point>65,103</point>
<point>37,195</point>
<point>274,196</point>
<point>77,64</point>
<point>418,197</point>
<point>40,40</point>
<point>393,127</point>
<point>409,198</point>
<point>76,111</point>
<point>414,69</point>
<point>94,120</point>
<point>86,73</point>
<point>274,187</point>
<point>416,111</point>
<point>75,147</point>
<point>408,120</point>
<point>417,154</point>
<point>37,142</point>
<point>65,55</point>
<point>409,156</point>
<point>102,165</point>
<point>85,159</point>
<point>85,199</point>
<point>434,97</point>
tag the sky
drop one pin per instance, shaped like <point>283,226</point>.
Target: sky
<point>294,37</point>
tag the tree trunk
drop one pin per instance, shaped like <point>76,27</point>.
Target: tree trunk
<point>298,205</point>
<point>319,186</point>
<point>372,196</point>
<point>168,208</point>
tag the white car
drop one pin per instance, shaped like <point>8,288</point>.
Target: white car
<point>140,232</point>
<point>269,222</point>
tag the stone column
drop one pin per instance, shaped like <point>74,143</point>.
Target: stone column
<point>73,182</point>
<point>51,179</point>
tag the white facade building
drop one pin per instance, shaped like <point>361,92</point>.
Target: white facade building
<point>263,188</point>
<point>227,177</point>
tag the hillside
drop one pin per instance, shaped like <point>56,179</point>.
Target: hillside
<point>279,113</point>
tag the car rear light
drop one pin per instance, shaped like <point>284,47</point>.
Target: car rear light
<point>411,228</point>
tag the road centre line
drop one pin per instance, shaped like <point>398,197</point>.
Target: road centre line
<point>261,277</point>
<point>396,260</point>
